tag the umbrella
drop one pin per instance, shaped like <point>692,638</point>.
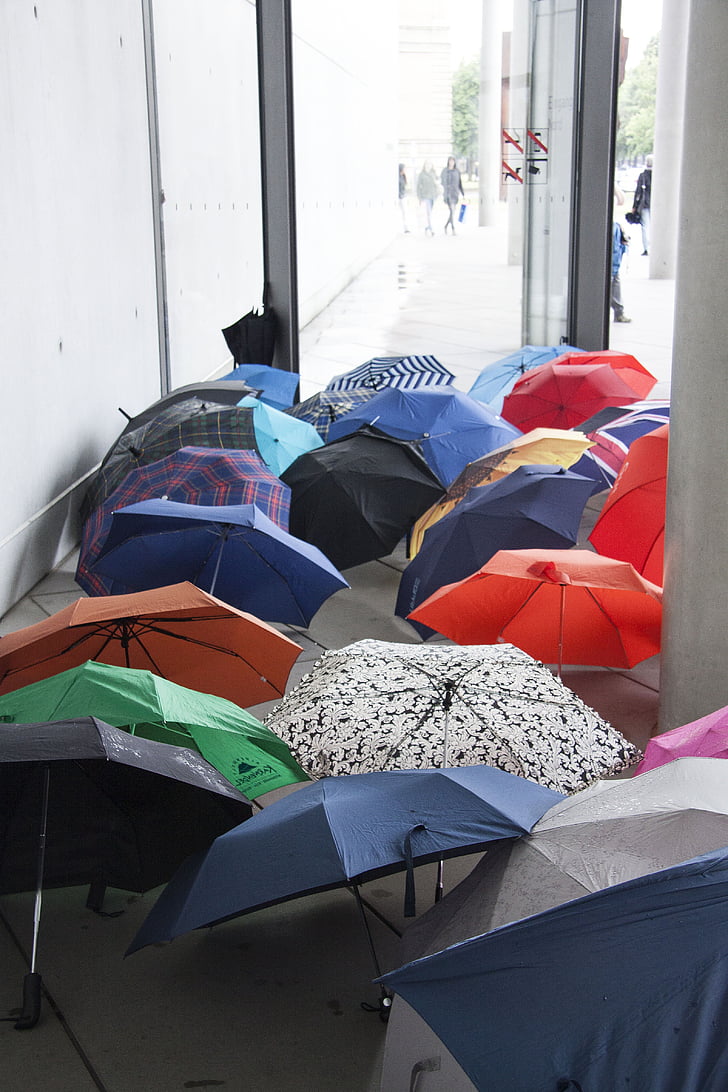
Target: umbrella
<point>343,831</point>
<point>451,428</point>
<point>563,606</point>
<point>625,365</point>
<point>210,426</point>
<point>247,753</point>
<point>357,497</point>
<point>613,440</point>
<point>376,705</point>
<point>611,834</point>
<point>82,802</point>
<point>534,506</point>
<point>280,438</point>
<point>221,392</point>
<point>252,339</point>
<point>563,395</point>
<point>590,980</point>
<point>703,738</point>
<point>234,551</point>
<point>631,525</point>
<point>276,388</point>
<point>195,475</point>
<point>497,379</point>
<point>557,446</point>
<point>394,371</point>
<point>178,632</point>
<point>325,407</point>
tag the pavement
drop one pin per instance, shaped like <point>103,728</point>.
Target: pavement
<point>273,1001</point>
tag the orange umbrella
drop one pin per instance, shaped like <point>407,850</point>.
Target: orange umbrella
<point>178,632</point>
<point>540,446</point>
<point>631,525</point>
<point>560,606</point>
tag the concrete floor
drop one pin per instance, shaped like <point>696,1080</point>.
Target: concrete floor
<point>272,1001</point>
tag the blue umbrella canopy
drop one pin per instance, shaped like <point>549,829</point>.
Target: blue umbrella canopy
<point>232,551</point>
<point>624,988</point>
<point>277,388</point>
<point>533,506</point>
<point>280,437</point>
<point>343,831</point>
<point>451,428</point>
<point>496,379</point>
<point>406,372</point>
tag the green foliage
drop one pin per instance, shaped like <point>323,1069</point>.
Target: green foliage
<point>465,107</point>
<point>636,108</point>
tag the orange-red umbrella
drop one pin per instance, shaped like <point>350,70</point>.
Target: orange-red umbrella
<point>560,606</point>
<point>555,395</point>
<point>631,525</point>
<point>178,632</point>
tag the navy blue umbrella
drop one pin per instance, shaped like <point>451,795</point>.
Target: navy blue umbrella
<point>624,988</point>
<point>532,507</point>
<point>451,428</point>
<point>231,551</point>
<point>343,831</point>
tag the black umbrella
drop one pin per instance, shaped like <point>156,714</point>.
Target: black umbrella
<point>355,498</point>
<point>82,802</point>
<point>226,392</point>
<point>252,339</point>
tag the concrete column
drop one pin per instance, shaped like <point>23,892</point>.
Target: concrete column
<point>518,83</point>
<point>695,629</point>
<point>669,121</point>
<point>491,82</point>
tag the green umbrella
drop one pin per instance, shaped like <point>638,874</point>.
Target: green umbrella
<point>232,740</point>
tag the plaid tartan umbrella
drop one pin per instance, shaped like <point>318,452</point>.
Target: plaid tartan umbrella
<point>223,392</point>
<point>393,371</point>
<point>325,407</point>
<point>191,424</point>
<point>195,475</point>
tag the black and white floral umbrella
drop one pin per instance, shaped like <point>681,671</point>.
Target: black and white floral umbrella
<point>380,705</point>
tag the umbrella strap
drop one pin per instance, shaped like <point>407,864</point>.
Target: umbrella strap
<point>409,885</point>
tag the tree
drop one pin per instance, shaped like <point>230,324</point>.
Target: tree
<point>465,106</point>
<point>636,132</point>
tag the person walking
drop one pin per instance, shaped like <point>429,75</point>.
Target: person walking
<point>619,245</point>
<point>642,202</point>
<point>427,192</point>
<point>452,189</point>
<point>403,197</point>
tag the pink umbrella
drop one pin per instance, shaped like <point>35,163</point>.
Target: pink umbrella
<point>704,738</point>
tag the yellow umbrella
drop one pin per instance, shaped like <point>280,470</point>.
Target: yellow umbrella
<point>540,446</point>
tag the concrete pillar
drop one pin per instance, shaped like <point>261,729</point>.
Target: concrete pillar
<point>517,112</point>
<point>695,629</point>
<point>491,81</point>
<point>669,121</point>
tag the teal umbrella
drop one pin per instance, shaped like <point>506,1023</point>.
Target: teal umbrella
<point>280,438</point>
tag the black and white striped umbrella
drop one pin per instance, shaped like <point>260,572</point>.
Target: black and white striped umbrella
<point>393,371</point>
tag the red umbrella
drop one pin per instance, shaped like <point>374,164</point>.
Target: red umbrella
<point>631,525</point>
<point>560,606</point>
<point>625,365</point>
<point>557,395</point>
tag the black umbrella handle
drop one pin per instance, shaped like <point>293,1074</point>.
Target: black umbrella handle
<point>30,1013</point>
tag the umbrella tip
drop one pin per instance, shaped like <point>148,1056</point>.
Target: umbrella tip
<point>31,1002</point>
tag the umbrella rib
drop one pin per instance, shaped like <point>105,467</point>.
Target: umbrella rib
<point>611,621</point>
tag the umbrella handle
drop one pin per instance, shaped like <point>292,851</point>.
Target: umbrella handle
<point>30,1012</point>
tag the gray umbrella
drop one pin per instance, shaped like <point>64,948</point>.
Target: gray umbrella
<point>378,705</point>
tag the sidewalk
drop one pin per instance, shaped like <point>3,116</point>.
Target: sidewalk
<point>272,1001</point>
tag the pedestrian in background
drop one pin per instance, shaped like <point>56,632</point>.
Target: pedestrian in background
<point>427,192</point>
<point>620,243</point>
<point>452,189</point>
<point>642,202</point>
<point>403,197</point>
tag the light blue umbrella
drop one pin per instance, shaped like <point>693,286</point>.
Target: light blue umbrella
<point>496,379</point>
<point>280,437</point>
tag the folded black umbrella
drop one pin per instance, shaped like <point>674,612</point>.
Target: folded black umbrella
<point>252,339</point>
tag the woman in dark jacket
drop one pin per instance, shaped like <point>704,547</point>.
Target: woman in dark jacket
<point>452,189</point>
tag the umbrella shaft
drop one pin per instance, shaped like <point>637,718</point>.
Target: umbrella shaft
<point>41,866</point>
